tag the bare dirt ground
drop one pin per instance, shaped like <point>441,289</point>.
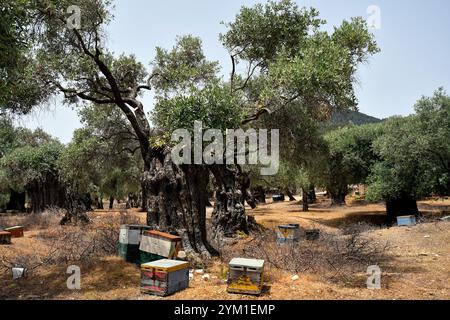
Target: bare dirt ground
<point>417,264</point>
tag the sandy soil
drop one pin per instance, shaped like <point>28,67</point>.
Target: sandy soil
<point>418,266</point>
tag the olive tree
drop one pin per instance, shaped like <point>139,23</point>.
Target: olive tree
<point>31,166</point>
<point>349,158</point>
<point>289,58</point>
<point>414,157</point>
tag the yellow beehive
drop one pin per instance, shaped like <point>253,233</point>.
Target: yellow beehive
<point>245,276</point>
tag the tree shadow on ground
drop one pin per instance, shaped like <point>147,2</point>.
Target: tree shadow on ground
<point>51,282</point>
<point>375,218</point>
<point>441,208</point>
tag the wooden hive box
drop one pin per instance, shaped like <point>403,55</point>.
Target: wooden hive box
<point>406,221</point>
<point>16,232</point>
<point>5,237</point>
<point>278,198</point>
<point>156,245</point>
<point>245,276</point>
<point>129,241</point>
<point>288,233</point>
<point>164,277</point>
<point>312,234</point>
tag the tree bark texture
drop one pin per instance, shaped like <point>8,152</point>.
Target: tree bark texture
<point>177,203</point>
<point>232,192</point>
<point>305,200</point>
<point>401,207</point>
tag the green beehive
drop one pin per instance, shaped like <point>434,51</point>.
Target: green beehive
<point>129,241</point>
<point>156,245</point>
<point>149,257</point>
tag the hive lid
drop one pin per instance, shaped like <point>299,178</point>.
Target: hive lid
<point>289,226</point>
<point>166,264</point>
<point>406,217</point>
<point>13,228</point>
<point>164,235</point>
<point>5,233</point>
<point>137,226</point>
<point>251,263</point>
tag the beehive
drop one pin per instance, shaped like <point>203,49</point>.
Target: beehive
<point>16,232</point>
<point>129,241</point>
<point>288,233</point>
<point>19,273</point>
<point>5,237</point>
<point>164,277</point>
<point>278,198</point>
<point>156,245</point>
<point>406,221</point>
<point>245,276</point>
<point>312,234</point>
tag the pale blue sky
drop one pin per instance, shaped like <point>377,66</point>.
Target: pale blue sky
<point>414,39</point>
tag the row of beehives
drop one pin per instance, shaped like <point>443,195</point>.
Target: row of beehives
<point>8,233</point>
<point>163,270</point>
<point>290,233</point>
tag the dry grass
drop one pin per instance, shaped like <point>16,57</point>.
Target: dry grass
<point>336,257</point>
<point>416,266</point>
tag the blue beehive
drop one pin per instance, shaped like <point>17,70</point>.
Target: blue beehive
<point>288,233</point>
<point>406,221</point>
<point>278,198</point>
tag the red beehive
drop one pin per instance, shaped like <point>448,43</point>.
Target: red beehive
<point>16,232</point>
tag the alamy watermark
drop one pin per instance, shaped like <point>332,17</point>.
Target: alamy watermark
<point>236,147</point>
<point>74,20</point>
<point>374,19</point>
<point>374,279</point>
<point>74,281</point>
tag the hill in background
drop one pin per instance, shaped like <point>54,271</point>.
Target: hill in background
<point>352,117</point>
<point>341,119</point>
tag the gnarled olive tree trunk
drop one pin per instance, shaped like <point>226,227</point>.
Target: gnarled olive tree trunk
<point>46,192</point>
<point>16,201</point>
<point>232,192</point>
<point>312,197</point>
<point>52,191</point>
<point>401,207</point>
<point>338,195</point>
<point>259,194</point>
<point>76,208</point>
<point>290,195</point>
<point>176,202</point>
<point>305,200</point>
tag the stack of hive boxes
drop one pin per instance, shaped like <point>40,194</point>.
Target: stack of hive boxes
<point>129,241</point>
<point>245,276</point>
<point>288,233</point>
<point>156,245</point>
<point>164,277</point>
